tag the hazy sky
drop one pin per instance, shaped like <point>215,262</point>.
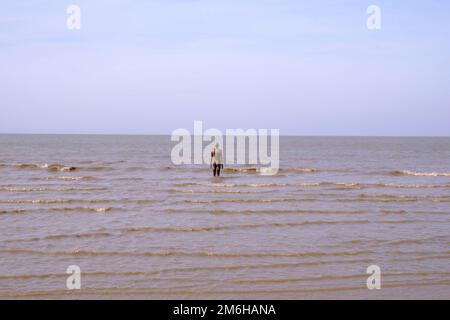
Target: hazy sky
<point>304,67</point>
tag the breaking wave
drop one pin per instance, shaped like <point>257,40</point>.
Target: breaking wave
<point>49,167</point>
<point>419,174</point>
<point>268,170</point>
<point>56,167</point>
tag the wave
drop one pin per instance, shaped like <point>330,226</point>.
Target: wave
<point>201,229</point>
<point>292,280</point>
<point>15,211</point>
<point>300,170</point>
<point>57,167</point>
<point>359,198</point>
<point>259,266</point>
<point>82,178</point>
<point>254,185</point>
<point>398,198</point>
<point>67,178</point>
<point>393,211</point>
<point>276,184</point>
<point>269,211</point>
<point>376,242</point>
<point>332,185</point>
<point>62,201</point>
<point>336,277</point>
<point>215,191</point>
<point>53,201</point>
<point>222,211</point>
<point>128,179</point>
<point>64,209</point>
<point>250,200</point>
<point>388,197</point>
<point>239,226</point>
<point>61,236</point>
<point>137,168</point>
<point>41,189</point>
<point>267,170</point>
<point>414,186</point>
<point>357,185</point>
<point>419,174</point>
<point>104,209</point>
<point>194,292</point>
<point>97,168</point>
<point>396,221</point>
<point>234,267</point>
<point>402,242</point>
<point>241,170</point>
<point>244,170</point>
<point>185,229</point>
<point>190,254</point>
<point>49,167</point>
<point>193,269</point>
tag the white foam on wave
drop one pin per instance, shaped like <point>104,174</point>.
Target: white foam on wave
<point>421,174</point>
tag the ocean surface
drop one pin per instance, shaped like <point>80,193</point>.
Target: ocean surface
<point>140,227</point>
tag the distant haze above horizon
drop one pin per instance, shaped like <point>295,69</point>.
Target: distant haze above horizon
<point>150,67</point>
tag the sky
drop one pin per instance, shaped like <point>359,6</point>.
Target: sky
<point>153,66</point>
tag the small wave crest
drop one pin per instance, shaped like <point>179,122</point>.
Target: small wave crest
<point>215,191</point>
<point>14,211</point>
<point>419,174</point>
<point>49,167</point>
<point>253,185</point>
<point>267,211</point>
<point>56,167</point>
<point>66,178</point>
<point>331,185</point>
<point>267,170</point>
<point>78,209</point>
<point>82,178</point>
<point>258,200</point>
<point>69,200</point>
<point>239,226</point>
<point>60,209</point>
<point>205,254</point>
<point>44,189</point>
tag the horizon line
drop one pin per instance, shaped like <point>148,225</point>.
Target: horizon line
<point>281,135</point>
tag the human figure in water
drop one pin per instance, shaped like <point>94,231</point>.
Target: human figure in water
<point>216,160</point>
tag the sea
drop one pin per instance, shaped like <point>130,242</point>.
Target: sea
<point>344,218</point>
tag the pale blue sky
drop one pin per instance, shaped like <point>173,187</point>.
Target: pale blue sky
<point>304,67</point>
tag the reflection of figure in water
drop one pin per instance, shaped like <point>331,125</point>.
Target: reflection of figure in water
<point>216,160</point>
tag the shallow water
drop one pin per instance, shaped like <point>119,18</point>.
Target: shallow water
<point>140,227</point>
